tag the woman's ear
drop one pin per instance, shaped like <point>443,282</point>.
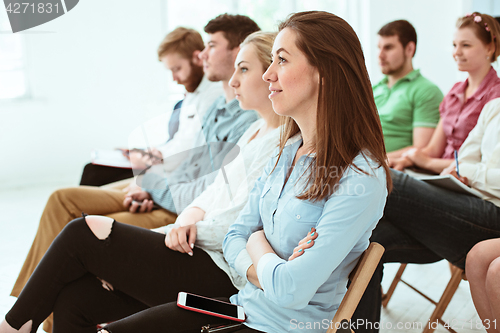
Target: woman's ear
<point>491,50</point>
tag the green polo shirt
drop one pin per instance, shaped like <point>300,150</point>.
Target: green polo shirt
<point>413,101</point>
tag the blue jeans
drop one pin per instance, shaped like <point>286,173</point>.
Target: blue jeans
<point>423,224</point>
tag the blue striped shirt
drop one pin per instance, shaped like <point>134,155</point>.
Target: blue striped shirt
<point>223,125</point>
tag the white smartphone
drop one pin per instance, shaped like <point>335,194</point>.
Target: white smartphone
<point>210,306</point>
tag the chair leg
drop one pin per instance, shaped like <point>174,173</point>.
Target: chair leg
<point>387,296</point>
<point>456,278</point>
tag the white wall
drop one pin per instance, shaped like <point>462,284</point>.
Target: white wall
<point>93,73</point>
<point>95,77</point>
<point>434,22</point>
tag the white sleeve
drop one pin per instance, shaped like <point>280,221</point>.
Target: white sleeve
<point>479,155</point>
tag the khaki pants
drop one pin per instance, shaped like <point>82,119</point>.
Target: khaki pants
<point>67,204</point>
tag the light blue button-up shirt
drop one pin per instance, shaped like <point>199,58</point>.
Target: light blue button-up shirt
<point>302,295</point>
<point>223,123</point>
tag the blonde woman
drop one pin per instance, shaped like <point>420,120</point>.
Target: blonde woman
<point>146,268</point>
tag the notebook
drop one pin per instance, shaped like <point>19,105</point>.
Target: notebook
<point>447,181</point>
<point>112,158</point>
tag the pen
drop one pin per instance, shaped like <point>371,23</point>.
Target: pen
<point>456,162</point>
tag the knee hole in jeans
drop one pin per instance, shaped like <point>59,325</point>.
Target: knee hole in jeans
<point>101,226</point>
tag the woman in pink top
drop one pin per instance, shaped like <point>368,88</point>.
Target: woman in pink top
<point>476,44</point>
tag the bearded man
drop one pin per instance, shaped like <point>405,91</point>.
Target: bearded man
<point>178,52</point>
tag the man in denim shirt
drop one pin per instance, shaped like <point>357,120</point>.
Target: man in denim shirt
<point>223,125</point>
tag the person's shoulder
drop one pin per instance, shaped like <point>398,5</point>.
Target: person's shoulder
<point>456,89</point>
<point>271,139</point>
<point>254,127</point>
<point>365,174</point>
<point>493,91</point>
<point>494,103</point>
<point>209,87</point>
<point>423,84</point>
<point>246,115</point>
<point>422,80</point>
<point>365,161</point>
<point>381,83</point>
<point>217,104</point>
<point>364,166</point>
<point>490,109</point>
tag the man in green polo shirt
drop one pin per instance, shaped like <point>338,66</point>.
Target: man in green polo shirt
<point>408,103</point>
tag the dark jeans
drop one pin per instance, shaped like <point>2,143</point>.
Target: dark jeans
<point>142,270</point>
<point>97,175</point>
<point>169,318</point>
<point>424,224</point>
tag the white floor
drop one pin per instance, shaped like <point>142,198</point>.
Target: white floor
<point>20,210</point>
<point>411,311</point>
<point>407,312</point>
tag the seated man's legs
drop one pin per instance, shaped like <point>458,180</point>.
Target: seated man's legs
<point>67,204</point>
<point>154,219</point>
<point>423,224</point>
<point>98,175</point>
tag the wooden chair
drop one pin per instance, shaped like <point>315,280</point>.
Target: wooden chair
<point>457,275</point>
<point>359,277</point>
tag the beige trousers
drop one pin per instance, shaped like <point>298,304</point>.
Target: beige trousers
<point>67,204</point>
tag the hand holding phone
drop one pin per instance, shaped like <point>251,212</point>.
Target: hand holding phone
<point>210,306</point>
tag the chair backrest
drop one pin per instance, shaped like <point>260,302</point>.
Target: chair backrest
<point>359,277</point>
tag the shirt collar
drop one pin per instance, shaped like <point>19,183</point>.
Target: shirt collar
<point>459,89</point>
<point>297,137</point>
<point>202,86</point>
<point>408,77</point>
<point>412,75</point>
<point>233,106</point>
<point>294,143</point>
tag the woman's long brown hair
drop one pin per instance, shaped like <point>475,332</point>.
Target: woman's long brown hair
<point>347,121</point>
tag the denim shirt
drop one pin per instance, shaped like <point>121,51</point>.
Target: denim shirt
<point>223,125</point>
<point>302,295</point>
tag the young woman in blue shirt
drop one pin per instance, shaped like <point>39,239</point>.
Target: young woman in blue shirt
<point>329,173</point>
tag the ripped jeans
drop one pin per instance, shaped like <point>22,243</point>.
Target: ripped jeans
<point>144,273</point>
